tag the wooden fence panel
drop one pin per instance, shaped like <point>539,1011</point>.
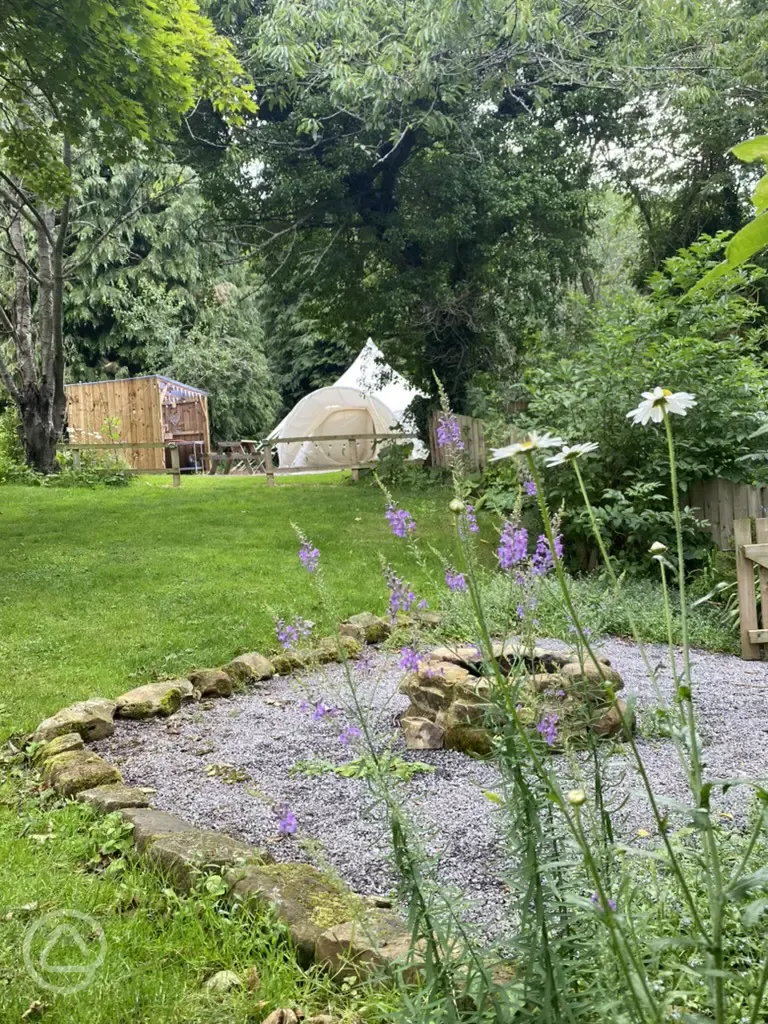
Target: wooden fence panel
<point>721,502</point>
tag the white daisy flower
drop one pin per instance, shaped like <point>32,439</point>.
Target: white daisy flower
<point>659,401</point>
<point>574,452</point>
<point>532,443</point>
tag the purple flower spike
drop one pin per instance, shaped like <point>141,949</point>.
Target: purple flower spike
<point>309,556</point>
<point>409,660</point>
<point>455,580</point>
<point>542,560</point>
<point>513,545</point>
<point>289,633</point>
<point>401,597</point>
<point>288,823</point>
<point>530,488</point>
<point>448,432</point>
<point>468,522</point>
<point>349,733</point>
<point>401,522</point>
<point>547,727</point>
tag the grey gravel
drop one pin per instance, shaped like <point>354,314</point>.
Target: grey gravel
<point>262,734</point>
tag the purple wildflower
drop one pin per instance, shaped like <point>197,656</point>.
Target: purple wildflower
<point>423,604</point>
<point>468,522</point>
<point>309,556</point>
<point>542,560</point>
<point>596,900</point>
<point>409,659</point>
<point>455,580</point>
<point>547,727</point>
<point>321,710</point>
<point>349,733</point>
<point>513,545</point>
<point>449,432</point>
<point>289,633</point>
<point>530,488</point>
<point>287,824</point>
<point>401,597</point>
<point>401,521</point>
<point>520,612</point>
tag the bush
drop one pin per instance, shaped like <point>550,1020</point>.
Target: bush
<point>13,469</point>
<point>706,343</point>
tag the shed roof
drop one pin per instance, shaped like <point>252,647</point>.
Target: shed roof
<point>143,376</point>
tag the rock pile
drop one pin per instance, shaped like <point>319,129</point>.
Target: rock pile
<point>452,705</point>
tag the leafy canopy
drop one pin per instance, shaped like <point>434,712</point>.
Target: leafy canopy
<point>130,69</point>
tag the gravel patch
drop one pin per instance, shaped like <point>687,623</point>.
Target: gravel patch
<point>257,738</point>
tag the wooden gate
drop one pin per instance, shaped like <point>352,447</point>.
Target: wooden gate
<point>750,554</point>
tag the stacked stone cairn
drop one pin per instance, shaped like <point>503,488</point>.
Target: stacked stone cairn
<point>452,705</point>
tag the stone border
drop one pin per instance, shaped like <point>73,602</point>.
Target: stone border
<point>328,924</point>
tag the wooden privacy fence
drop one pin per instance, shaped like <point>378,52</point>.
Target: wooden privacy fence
<point>472,436</point>
<point>721,502</point>
<point>751,554</point>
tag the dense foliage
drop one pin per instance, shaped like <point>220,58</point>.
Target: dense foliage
<point>709,343</point>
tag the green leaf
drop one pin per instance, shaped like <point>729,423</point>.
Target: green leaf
<point>752,149</point>
<point>754,911</point>
<point>760,195</point>
<point>750,240</point>
<point>747,883</point>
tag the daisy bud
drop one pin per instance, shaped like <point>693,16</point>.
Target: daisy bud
<point>576,797</point>
<point>456,506</point>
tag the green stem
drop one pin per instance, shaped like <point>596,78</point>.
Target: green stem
<point>714,874</point>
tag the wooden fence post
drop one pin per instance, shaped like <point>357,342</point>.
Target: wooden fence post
<point>355,459</point>
<point>745,578</point>
<point>175,467</point>
<point>76,459</point>
<point>269,466</point>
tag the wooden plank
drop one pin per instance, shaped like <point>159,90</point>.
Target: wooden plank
<point>757,553</point>
<point>745,577</point>
<point>740,494</point>
<point>761,533</point>
<point>758,636</point>
<point>175,467</point>
<point>725,514</point>
<point>354,457</point>
<point>269,466</point>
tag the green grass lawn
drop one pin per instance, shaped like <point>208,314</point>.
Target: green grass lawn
<point>101,590</point>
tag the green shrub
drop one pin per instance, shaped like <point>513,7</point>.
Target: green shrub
<point>707,343</point>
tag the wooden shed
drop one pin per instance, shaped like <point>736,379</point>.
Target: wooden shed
<point>142,410</point>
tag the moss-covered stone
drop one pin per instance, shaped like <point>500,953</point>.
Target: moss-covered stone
<point>155,699</point>
<point>375,629</point>
<point>107,799</point>
<point>184,856</point>
<point>336,648</point>
<point>75,770</point>
<point>469,739</point>
<point>91,719</point>
<point>212,682</point>
<point>150,825</point>
<point>365,945</point>
<point>250,668</point>
<point>60,745</point>
<point>306,900</point>
<point>288,662</point>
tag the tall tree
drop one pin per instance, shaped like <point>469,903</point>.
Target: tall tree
<point>76,73</point>
<point>419,170</point>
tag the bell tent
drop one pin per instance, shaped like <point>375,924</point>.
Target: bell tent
<point>368,398</point>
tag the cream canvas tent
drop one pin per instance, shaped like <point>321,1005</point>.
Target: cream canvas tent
<point>368,398</point>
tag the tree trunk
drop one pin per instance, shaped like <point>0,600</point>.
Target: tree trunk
<point>39,436</point>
